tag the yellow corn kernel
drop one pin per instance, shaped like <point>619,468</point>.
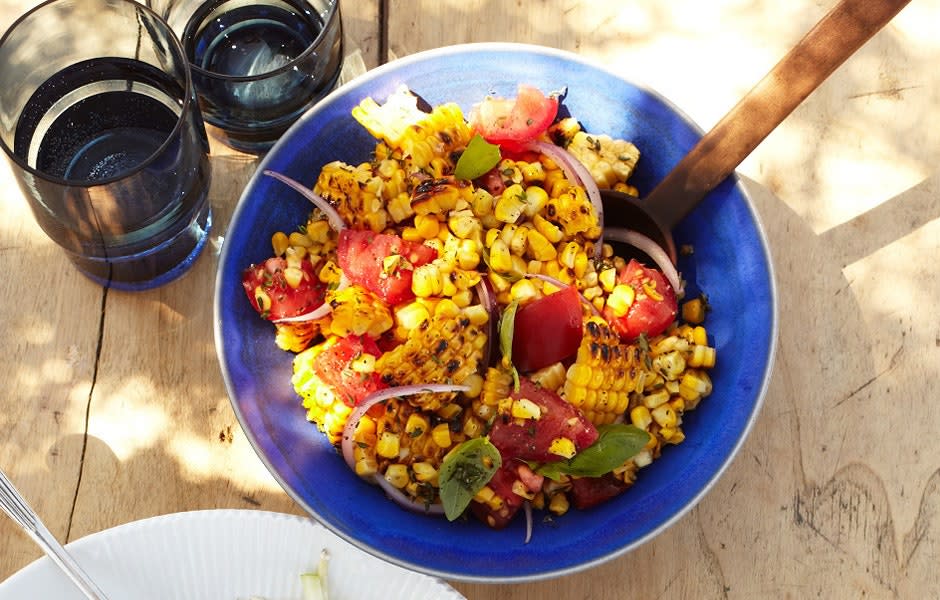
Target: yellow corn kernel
<point>485,494</point>
<point>426,281</point>
<point>559,504</point>
<point>693,311</point>
<point>364,363</point>
<point>397,475</point>
<point>697,382</point>
<point>500,257</point>
<point>411,315</point>
<point>424,471</point>
<point>279,243</point>
<point>702,356</point>
<point>427,226</point>
<point>388,445</point>
<point>510,204</point>
<point>468,255</point>
<point>523,291</point>
<point>641,417</point>
<point>463,298</point>
<point>517,243</point>
<point>491,236</point>
<point>551,377</point>
<point>293,276</point>
<point>411,234</point>
<point>699,336</point>
<point>535,200</point>
<point>463,223</point>
<point>677,437</point>
<point>446,308</point>
<point>416,425</point>
<point>621,299</point>
<point>664,416</point>
<point>580,264</point>
<point>475,382</point>
<point>523,408</point>
<point>539,247</point>
<point>476,313</point>
<point>299,239</point>
<point>366,467</point>
<point>330,273</point>
<point>520,489</point>
<point>655,399</point>
<point>563,447</point>
<point>262,299</point>
<point>441,435</point>
<point>318,230</point>
<point>500,284</point>
<point>569,254</point>
<point>532,172</point>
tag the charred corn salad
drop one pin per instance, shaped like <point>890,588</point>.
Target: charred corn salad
<point>462,331</point>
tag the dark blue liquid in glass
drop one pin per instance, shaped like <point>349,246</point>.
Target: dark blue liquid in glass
<point>259,41</point>
<point>131,205</point>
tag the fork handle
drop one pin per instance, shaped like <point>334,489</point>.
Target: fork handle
<point>63,559</point>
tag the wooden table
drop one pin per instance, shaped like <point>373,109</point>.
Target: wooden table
<point>113,407</point>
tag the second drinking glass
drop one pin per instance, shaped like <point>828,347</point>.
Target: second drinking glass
<point>257,65</point>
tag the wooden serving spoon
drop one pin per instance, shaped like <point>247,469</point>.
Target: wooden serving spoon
<point>837,36</point>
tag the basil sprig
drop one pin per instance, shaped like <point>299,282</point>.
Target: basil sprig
<point>479,157</point>
<point>615,444</point>
<point>464,473</point>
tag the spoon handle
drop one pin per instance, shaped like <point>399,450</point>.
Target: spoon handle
<point>837,36</point>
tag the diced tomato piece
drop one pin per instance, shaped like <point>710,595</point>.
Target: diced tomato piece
<point>513,123</point>
<point>531,440</point>
<point>547,330</point>
<point>333,367</point>
<point>654,306</point>
<point>285,301</point>
<point>501,484</point>
<point>587,492</point>
<point>361,255</point>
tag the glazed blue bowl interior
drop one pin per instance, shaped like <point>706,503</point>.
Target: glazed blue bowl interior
<point>731,264</point>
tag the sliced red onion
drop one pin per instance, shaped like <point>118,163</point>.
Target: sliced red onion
<point>317,313</point>
<point>527,509</point>
<point>561,284</point>
<point>578,174</point>
<point>335,220</point>
<point>406,502</point>
<point>381,395</point>
<point>653,250</point>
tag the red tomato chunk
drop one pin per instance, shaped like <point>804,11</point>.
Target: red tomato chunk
<point>334,367</point>
<point>274,298</point>
<point>514,123</point>
<point>362,257</point>
<point>547,330</point>
<point>654,307</point>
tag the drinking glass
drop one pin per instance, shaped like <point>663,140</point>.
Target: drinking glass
<point>257,64</point>
<point>99,121</point>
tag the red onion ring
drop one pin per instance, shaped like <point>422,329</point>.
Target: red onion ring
<point>561,284</point>
<point>335,220</point>
<point>527,510</point>
<point>653,250</point>
<point>404,501</point>
<point>578,174</point>
<point>317,313</point>
<point>381,395</point>
<point>488,301</point>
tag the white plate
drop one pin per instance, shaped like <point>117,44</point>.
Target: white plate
<point>221,555</point>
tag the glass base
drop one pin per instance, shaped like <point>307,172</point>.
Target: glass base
<point>150,269</point>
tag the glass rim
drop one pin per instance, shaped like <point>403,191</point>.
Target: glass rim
<point>187,104</point>
<point>330,15</point>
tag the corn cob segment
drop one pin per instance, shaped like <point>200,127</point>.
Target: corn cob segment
<point>441,349</point>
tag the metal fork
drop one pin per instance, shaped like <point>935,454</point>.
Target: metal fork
<point>19,510</point>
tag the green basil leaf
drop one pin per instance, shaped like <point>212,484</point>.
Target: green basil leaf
<point>479,157</point>
<point>464,473</point>
<point>507,326</point>
<point>615,444</point>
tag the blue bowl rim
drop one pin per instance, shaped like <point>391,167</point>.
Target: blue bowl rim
<point>501,47</point>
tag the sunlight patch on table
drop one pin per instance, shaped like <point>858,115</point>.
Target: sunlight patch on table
<point>202,459</point>
<point>129,419</point>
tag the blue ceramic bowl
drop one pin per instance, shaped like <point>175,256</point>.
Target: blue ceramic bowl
<point>731,263</point>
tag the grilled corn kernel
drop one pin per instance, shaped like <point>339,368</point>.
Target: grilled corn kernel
<point>424,471</point>
<point>416,425</point>
<point>523,291</point>
<point>535,200</point>
<point>367,467</point>
<point>621,299</point>
<point>641,417</point>
<point>330,273</point>
<point>441,435</point>
<point>563,447</point>
<point>664,416</point>
<point>539,247</point>
<point>293,276</point>
<point>279,243</point>
<point>426,281</point>
<point>700,336</point>
<point>500,256</point>
<point>693,311</point>
<point>388,445</point>
<point>476,313</point>
<point>523,408</point>
<point>411,315</point>
<point>364,363</point>
<point>559,504</point>
<point>656,398</point>
<point>510,204</point>
<point>397,475</point>
<point>520,489</point>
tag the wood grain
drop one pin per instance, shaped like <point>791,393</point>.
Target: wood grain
<point>114,409</point>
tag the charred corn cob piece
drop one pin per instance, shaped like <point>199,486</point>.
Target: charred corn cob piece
<point>604,373</point>
<point>356,311</point>
<point>324,408</point>
<point>440,350</point>
<point>356,193</point>
<point>296,337</point>
<point>610,161</point>
<point>421,136</point>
